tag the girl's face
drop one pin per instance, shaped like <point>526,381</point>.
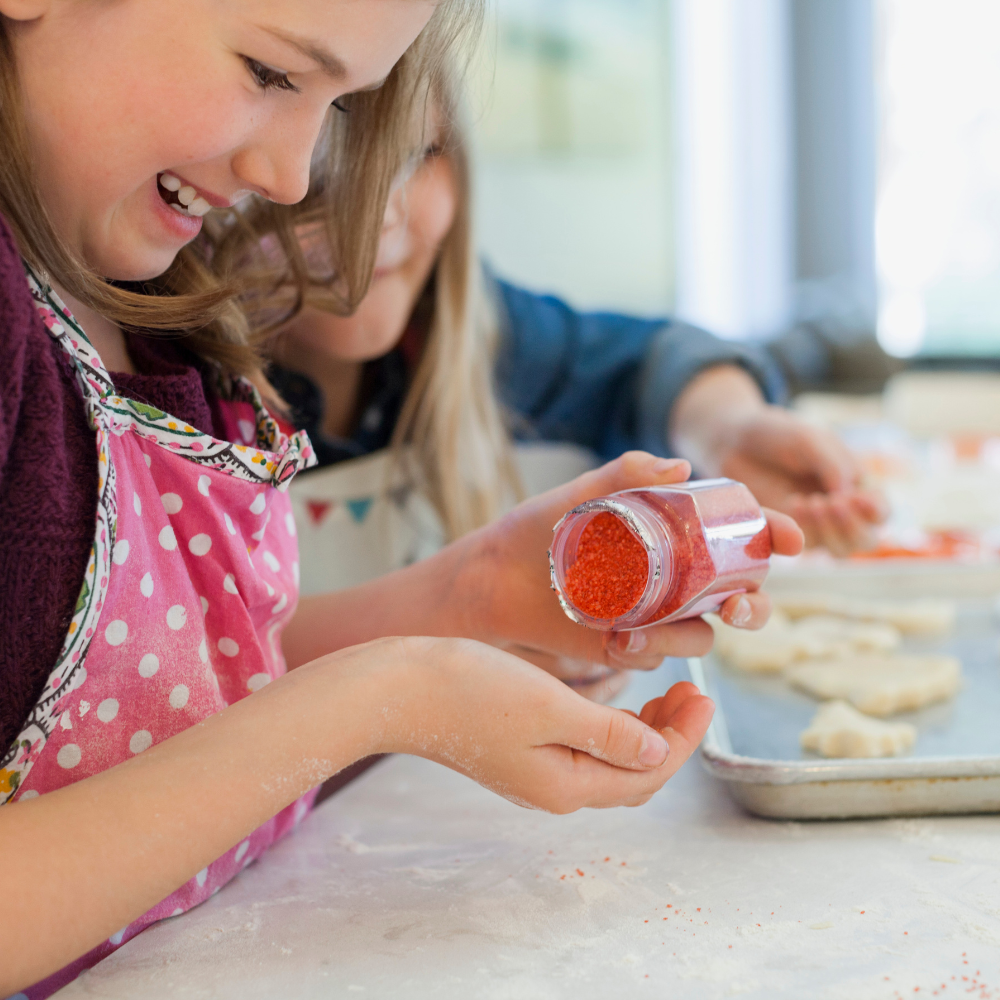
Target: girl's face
<point>124,100</point>
<point>419,215</point>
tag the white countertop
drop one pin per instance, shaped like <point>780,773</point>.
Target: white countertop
<point>415,882</point>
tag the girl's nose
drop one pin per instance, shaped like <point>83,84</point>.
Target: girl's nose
<point>395,211</point>
<point>276,178</point>
<point>277,166</point>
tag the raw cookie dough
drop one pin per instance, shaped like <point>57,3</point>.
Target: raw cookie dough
<point>766,650</point>
<point>919,616</point>
<point>838,730</point>
<point>840,636</point>
<point>781,642</point>
<point>878,683</point>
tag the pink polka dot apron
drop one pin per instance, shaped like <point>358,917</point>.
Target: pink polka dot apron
<point>192,576</point>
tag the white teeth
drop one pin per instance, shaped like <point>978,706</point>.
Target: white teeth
<point>169,182</point>
<point>186,195</point>
<point>196,209</point>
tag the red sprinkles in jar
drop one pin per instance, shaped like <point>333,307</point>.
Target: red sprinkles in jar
<point>709,541</point>
<point>610,571</point>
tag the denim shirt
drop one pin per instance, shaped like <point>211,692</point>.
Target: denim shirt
<point>604,381</point>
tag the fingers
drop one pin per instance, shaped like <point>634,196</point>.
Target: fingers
<point>842,523</point>
<point>645,648</point>
<point>615,737</point>
<point>750,611</point>
<point>685,716</point>
<point>658,712</point>
<point>872,506</point>
<point>628,471</point>
<point>786,536</point>
<point>784,441</point>
<point>827,458</point>
<point>685,726</point>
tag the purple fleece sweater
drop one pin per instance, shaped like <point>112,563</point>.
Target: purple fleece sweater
<point>48,478</point>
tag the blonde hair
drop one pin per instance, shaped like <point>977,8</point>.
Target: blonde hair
<point>198,294</point>
<point>451,431</point>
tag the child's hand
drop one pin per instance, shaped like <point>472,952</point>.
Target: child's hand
<point>722,423</point>
<point>504,590</point>
<point>526,736</point>
<point>809,474</point>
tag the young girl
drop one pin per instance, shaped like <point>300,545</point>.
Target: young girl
<point>149,562</point>
<point>414,368</point>
<point>399,401</point>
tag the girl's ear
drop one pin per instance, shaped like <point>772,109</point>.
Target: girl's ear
<point>24,10</point>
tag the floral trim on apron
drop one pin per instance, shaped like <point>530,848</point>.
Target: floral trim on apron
<point>108,413</point>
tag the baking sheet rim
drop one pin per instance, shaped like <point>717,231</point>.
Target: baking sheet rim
<point>729,766</point>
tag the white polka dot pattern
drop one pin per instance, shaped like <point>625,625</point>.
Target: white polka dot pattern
<point>195,527</point>
<point>200,545</point>
<point>228,647</point>
<point>116,633</point>
<point>148,665</point>
<point>107,710</point>
<point>141,740</point>
<point>172,503</point>
<point>68,757</point>
<point>179,696</point>
<point>177,617</point>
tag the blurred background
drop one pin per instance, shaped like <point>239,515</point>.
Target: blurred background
<point>763,168</point>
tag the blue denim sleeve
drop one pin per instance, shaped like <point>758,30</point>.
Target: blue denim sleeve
<point>600,380</point>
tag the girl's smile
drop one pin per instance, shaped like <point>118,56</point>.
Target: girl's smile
<point>254,101</point>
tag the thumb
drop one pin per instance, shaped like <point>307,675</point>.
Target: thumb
<point>616,737</point>
<point>628,471</point>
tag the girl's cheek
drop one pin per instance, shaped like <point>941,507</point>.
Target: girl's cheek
<point>433,202</point>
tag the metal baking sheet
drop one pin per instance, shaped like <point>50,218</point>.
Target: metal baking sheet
<point>753,743</point>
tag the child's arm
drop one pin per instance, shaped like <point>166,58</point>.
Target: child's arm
<point>723,425</point>
<point>145,827</point>
<point>493,585</point>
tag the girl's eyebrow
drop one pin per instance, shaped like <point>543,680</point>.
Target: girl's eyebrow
<point>323,57</point>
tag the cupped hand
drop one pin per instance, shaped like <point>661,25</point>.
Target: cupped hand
<point>504,587</point>
<point>525,735</point>
<point>806,472</point>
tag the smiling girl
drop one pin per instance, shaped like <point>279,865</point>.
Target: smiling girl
<point>153,742</point>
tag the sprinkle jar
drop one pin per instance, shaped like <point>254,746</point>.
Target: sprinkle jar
<point>659,553</point>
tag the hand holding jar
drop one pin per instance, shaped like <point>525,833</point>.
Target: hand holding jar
<point>501,577</point>
<point>660,553</point>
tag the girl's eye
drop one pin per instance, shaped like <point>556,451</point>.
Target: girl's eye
<point>268,78</point>
<point>341,106</point>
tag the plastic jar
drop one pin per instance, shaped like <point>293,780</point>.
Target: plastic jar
<point>659,554</point>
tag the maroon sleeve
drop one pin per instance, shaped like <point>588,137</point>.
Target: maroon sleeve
<point>15,318</point>
<point>48,496</point>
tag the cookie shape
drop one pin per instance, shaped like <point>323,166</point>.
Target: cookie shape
<point>840,730</point>
<point>782,642</point>
<point>879,683</point>
<point>919,616</point>
<point>766,650</point>
<point>840,636</point>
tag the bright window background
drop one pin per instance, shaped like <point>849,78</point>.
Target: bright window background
<point>938,202</point>
<point>574,182</point>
